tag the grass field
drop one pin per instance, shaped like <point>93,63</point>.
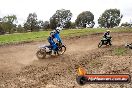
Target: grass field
<point>42,35</point>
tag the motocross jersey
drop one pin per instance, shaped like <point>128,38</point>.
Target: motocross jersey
<point>105,34</point>
<point>55,34</point>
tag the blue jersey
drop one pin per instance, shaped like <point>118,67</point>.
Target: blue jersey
<point>55,34</point>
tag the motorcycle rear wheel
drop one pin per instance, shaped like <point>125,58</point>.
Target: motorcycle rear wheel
<point>41,54</point>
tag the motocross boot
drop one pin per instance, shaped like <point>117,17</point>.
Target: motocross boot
<point>52,53</point>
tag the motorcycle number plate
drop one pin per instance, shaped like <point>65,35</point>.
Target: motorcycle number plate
<point>47,49</point>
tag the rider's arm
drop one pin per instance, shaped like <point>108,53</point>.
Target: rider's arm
<point>57,36</point>
<point>105,35</point>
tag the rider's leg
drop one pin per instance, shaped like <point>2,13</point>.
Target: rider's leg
<point>109,42</point>
<point>54,49</point>
<point>51,45</point>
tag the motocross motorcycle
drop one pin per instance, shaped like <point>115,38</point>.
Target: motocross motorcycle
<point>47,50</point>
<point>105,41</point>
<point>128,45</point>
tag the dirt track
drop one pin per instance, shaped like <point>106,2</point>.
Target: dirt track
<point>19,66</point>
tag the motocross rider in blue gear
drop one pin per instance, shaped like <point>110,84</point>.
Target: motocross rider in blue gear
<point>54,36</point>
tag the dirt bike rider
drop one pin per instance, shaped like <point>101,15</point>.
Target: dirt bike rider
<point>106,34</point>
<point>54,36</point>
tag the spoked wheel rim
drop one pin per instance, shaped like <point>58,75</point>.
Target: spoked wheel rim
<point>62,50</point>
<point>41,53</point>
<point>100,44</point>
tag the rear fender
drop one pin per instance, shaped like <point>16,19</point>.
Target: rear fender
<point>44,46</point>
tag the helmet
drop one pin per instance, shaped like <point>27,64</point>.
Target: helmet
<point>58,29</point>
<point>107,30</point>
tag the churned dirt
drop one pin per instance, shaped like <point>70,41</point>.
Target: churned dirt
<point>19,67</point>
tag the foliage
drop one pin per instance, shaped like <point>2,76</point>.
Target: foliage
<point>40,24</point>
<point>8,23</point>
<point>20,29</point>
<point>31,23</point>
<point>110,18</point>
<point>46,25</point>
<point>126,24</point>
<point>2,31</point>
<point>119,51</point>
<point>73,25</point>
<point>85,18</point>
<point>68,25</point>
<point>61,17</point>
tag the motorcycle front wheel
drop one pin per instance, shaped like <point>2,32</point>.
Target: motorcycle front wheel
<point>100,44</point>
<point>41,54</point>
<point>61,50</point>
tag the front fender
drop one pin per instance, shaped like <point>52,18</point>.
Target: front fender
<point>63,45</point>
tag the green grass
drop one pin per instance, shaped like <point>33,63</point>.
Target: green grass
<point>37,36</point>
<point>119,51</point>
<point>13,38</point>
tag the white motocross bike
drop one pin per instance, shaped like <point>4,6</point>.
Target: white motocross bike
<point>47,50</point>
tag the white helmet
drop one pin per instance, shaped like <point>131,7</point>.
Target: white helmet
<point>58,29</point>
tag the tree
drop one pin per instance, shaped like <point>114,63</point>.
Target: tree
<point>2,31</point>
<point>73,25</point>
<point>8,22</point>
<point>68,24</point>
<point>46,25</point>
<point>110,18</point>
<point>85,18</point>
<point>31,23</point>
<point>40,24</point>
<point>60,17</point>
<point>20,29</point>
<point>126,24</point>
